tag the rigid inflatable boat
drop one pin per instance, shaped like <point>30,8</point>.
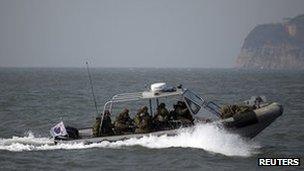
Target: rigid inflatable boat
<point>247,124</point>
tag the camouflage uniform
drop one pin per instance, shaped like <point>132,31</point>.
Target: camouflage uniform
<point>123,123</point>
<point>143,121</point>
<point>183,112</point>
<point>228,111</point>
<point>181,115</point>
<point>106,127</point>
<point>96,127</point>
<point>257,102</point>
<point>137,118</point>
<point>162,116</point>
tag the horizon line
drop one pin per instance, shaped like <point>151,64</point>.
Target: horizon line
<point>126,67</point>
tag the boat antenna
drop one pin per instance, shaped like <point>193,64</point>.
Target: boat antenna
<point>91,84</point>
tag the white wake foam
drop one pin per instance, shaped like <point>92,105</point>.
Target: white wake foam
<point>207,137</point>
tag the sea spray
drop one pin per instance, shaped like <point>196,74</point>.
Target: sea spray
<point>208,137</point>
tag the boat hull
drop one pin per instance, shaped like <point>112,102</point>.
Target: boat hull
<point>247,125</point>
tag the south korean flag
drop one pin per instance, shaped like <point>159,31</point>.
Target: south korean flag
<point>58,130</point>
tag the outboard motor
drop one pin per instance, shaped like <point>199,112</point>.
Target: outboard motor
<point>73,133</point>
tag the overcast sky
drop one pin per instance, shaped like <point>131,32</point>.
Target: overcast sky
<point>132,33</point>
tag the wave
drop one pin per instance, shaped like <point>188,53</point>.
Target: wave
<point>208,137</point>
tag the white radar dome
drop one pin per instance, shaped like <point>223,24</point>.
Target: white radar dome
<point>158,86</point>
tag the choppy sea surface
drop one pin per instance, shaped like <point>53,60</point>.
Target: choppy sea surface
<point>34,99</point>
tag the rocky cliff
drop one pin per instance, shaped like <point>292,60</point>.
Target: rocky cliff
<point>274,46</point>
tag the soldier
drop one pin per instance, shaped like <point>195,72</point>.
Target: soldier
<point>106,126</point>
<point>161,117</point>
<point>182,113</point>
<point>173,113</point>
<point>123,123</point>
<point>258,100</point>
<point>185,111</point>
<point>140,113</point>
<point>96,127</point>
<point>143,121</point>
<point>228,111</point>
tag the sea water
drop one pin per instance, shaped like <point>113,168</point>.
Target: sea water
<point>34,99</point>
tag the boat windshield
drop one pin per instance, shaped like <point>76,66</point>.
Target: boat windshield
<point>193,101</point>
